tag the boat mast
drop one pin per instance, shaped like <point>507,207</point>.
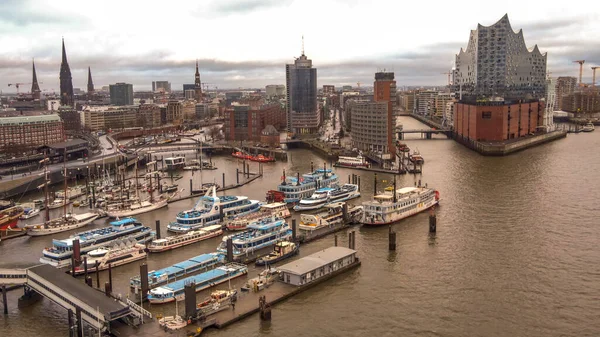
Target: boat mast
<point>46,183</point>
<point>137,191</point>
<point>66,181</point>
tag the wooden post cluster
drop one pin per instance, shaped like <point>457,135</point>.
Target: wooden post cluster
<point>265,308</point>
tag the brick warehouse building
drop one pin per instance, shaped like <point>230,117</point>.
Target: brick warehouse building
<point>497,121</point>
<point>244,123</point>
<point>30,132</point>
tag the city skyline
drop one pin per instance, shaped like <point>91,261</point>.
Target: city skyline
<point>347,46</point>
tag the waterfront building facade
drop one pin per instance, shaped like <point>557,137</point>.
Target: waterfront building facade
<point>30,132</point>
<point>370,125</point>
<point>385,91</point>
<point>242,122</point>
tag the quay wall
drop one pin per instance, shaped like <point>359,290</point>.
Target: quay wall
<point>506,148</point>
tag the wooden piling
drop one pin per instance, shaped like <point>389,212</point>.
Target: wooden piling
<point>223,186</point>
<point>70,321</point>
<point>157,222</point>
<point>432,223</point>
<point>392,239</point>
<point>110,277</point>
<point>335,240</point>
<point>144,280</point>
<point>375,184</point>
<point>4,301</point>
<point>294,230</point>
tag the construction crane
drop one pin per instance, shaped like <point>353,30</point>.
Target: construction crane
<point>17,85</point>
<point>448,73</point>
<point>358,84</point>
<point>581,62</point>
<point>594,76</point>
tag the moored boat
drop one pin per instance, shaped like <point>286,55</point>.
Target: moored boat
<point>29,213</point>
<point>296,188</point>
<point>140,207</point>
<point>237,223</point>
<point>358,161</point>
<point>58,202</point>
<point>217,301</point>
<point>282,250</point>
<point>416,157</point>
<point>172,242</point>
<point>262,281</point>
<point>260,234</point>
<point>397,204</point>
<point>325,196</point>
<point>589,127</point>
<point>72,192</point>
<point>174,163</point>
<point>120,254</point>
<point>10,216</point>
<point>62,224</point>
<point>211,209</point>
<point>332,217</point>
<point>261,158</point>
<point>241,155</point>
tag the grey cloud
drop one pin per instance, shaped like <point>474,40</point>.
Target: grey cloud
<point>22,13</point>
<point>246,6</point>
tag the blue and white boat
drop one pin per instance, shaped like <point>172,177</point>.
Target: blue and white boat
<point>327,195</point>
<point>296,188</point>
<point>262,233</point>
<point>212,209</point>
<point>59,255</point>
<point>179,270</point>
<point>175,290</point>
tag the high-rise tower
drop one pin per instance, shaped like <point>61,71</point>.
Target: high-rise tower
<point>66,83</point>
<point>198,85</point>
<point>90,86</point>
<point>385,91</point>
<point>35,87</point>
<point>303,115</point>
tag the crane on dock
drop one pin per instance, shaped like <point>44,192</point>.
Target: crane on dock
<point>581,62</point>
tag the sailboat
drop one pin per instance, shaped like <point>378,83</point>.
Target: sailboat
<point>143,206</point>
<point>67,221</point>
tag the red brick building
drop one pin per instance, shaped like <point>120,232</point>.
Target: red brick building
<point>385,90</point>
<point>497,121</point>
<point>242,122</point>
<point>21,133</point>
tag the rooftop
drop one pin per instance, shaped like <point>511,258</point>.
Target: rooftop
<point>29,119</point>
<point>316,260</point>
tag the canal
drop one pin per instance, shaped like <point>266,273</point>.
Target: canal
<point>515,253</point>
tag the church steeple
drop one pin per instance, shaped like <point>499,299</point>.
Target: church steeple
<point>198,85</point>
<point>35,87</point>
<point>66,83</point>
<point>90,86</point>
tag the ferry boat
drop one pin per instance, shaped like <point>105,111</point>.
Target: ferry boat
<point>262,233</point>
<point>241,155</point>
<point>280,209</point>
<point>217,301</point>
<point>332,217</point>
<point>174,163</point>
<point>122,253</point>
<point>589,127</point>
<point>62,224</point>
<point>388,208</point>
<point>179,270</point>
<point>263,280</point>
<point>172,242</point>
<point>358,161</point>
<point>327,195</point>
<point>10,216</point>
<point>282,250</point>
<point>72,192</point>
<point>58,203</point>
<point>174,291</point>
<point>416,158</point>
<point>29,213</point>
<point>59,255</point>
<point>296,188</point>
<point>262,159</point>
<point>210,209</point>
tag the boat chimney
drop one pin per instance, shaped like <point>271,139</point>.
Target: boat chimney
<point>312,169</point>
<point>283,178</point>
<point>325,169</point>
<point>298,179</point>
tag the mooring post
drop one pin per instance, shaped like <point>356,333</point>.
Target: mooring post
<point>354,240</point>
<point>237,176</point>
<point>223,186</point>
<point>70,320</point>
<point>191,183</point>
<point>229,250</point>
<point>358,182</point>
<point>85,270</point>
<point>144,280</point>
<point>294,229</point>
<point>350,240</point>
<point>98,279</point>
<point>375,184</point>
<point>432,223</point>
<point>157,229</point>
<point>4,302</point>
<point>248,171</point>
<point>110,277</point>
<point>392,239</point>
<point>79,321</point>
<point>348,179</point>
<point>335,240</point>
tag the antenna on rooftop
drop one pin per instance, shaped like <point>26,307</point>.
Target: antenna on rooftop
<point>302,44</point>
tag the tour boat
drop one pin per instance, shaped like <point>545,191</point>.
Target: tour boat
<point>72,192</point>
<point>358,161</point>
<point>179,270</point>
<point>282,250</point>
<point>262,233</point>
<point>327,195</point>
<point>296,188</point>
<point>121,253</point>
<point>174,163</point>
<point>217,301</point>
<point>29,213</point>
<point>589,127</point>
<point>390,207</point>
<point>261,159</point>
<point>211,209</point>
<point>175,290</point>
<point>59,255</point>
<point>263,280</point>
<point>62,224</point>
<point>10,216</point>
<point>333,216</point>
<point>58,203</point>
<point>416,158</point>
<point>237,223</point>
<point>241,155</point>
<point>172,242</point>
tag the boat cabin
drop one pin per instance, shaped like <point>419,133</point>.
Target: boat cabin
<point>312,267</point>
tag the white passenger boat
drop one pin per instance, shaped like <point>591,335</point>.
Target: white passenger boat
<point>260,234</point>
<point>174,163</point>
<point>58,202</point>
<point>122,252</point>
<point>327,195</point>
<point>172,242</point>
<point>62,224</point>
<point>358,161</point>
<point>218,300</point>
<point>237,223</point>
<point>589,127</point>
<point>212,209</point>
<point>392,206</point>
<point>296,188</point>
<point>332,217</point>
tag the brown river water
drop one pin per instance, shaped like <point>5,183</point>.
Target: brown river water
<point>516,253</point>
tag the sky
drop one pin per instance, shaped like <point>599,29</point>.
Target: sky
<point>246,43</point>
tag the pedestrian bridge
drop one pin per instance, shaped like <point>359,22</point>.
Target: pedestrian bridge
<point>94,307</point>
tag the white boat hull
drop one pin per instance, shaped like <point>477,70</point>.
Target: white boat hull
<point>128,213</point>
<point>41,231</point>
<point>181,296</point>
<point>397,217</point>
<point>184,243</point>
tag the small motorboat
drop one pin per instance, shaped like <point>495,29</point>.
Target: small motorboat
<point>282,250</point>
<point>589,127</point>
<point>29,213</point>
<point>170,188</point>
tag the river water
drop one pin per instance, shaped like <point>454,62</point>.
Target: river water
<point>516,252</point>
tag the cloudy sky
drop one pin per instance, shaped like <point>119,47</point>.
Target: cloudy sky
<point>246,43</point>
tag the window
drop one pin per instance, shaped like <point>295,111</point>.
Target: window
<point>486,115</point>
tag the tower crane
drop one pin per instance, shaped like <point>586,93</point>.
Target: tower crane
<point>581,62</point>
<point>17,85</point>
<point>594,76</point>
<point>358,84</point>
<point>448,73</point>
